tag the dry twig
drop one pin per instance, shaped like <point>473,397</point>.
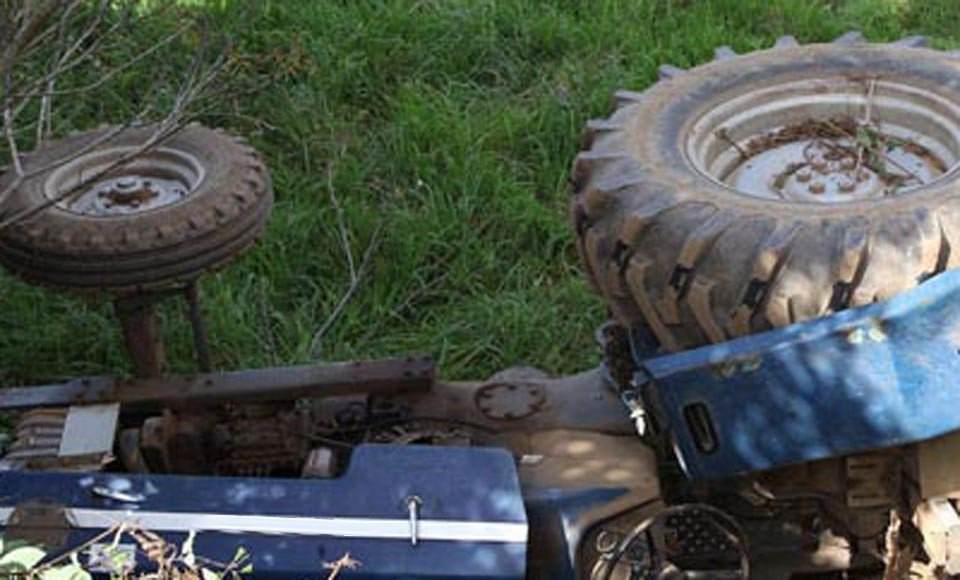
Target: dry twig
<point>356,277</point>
<point>69,34</point>
<point>346,562</point>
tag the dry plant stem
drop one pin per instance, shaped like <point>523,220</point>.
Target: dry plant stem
<point>879,153</point>
<point>722,133</point>
<point>866,122</point>
<point>27,25</point>
<point>77,36</point>
<point>114,529</point>
<point>355,280</point>
<point>344,563</point>
<point>899,166</point>
<point>46,101</point>
<point>157,138</point>
<point>112,72</point>
<point>70,59</point>
<point>422,293</point>
<point>341,224</point>
<point>870,93</point>
<point>12,143</point>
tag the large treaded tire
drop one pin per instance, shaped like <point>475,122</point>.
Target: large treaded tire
<point>698,262</point>
<point>157,249</point>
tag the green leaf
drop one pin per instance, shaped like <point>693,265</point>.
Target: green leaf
<point>69,572</point>
<point>208,574</point>
<point>120,560</point>
<point>248,569</point>
<point>240,554</point>
<point>23,558</point>
<point>11,545</point>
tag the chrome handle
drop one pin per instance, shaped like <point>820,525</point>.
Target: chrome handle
<point>116,495</point>
<point>413,510</point>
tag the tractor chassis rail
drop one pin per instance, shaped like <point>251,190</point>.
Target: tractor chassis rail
<point>371,377</point>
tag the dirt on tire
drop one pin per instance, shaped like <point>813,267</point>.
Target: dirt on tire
<point>698,261</point>
<point>222,215</point>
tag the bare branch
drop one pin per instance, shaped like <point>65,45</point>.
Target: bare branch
<point>341,226</point>
<point>351,288</point>
<point>79,33</point>
<point>8,133</point>
<point>107,76</point>
<point>31,25</point>
<point>346,562</point>
<point>160,135</point>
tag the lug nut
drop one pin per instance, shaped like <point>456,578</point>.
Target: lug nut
<point>863,176</point>
<point>803,175</point>
<point>817,187</point>
<point>822,168</point>
<point>847,185</point>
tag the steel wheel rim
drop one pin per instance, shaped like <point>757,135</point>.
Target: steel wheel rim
<point>919,132</point>
<point>154,179</point>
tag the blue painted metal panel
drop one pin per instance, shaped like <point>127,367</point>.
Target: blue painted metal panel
<point>557,517</point>
<point>877,376</point>
<point>473,484</point>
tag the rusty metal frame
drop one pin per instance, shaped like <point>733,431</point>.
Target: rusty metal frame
<point>137,314</point>
<point>380,376</point>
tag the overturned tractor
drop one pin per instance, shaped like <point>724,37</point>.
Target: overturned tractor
<point>775,235</point>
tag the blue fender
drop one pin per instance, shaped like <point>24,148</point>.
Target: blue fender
<point>882,375</point>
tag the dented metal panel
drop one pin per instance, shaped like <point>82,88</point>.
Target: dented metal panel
<point>866,378</point>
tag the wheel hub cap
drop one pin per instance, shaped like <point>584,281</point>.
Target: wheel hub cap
<point>827,140</point>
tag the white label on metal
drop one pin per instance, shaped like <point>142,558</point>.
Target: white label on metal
<point>375,528</point>
<point>89,430</point>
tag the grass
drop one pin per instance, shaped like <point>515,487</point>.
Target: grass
<point>450,124</point>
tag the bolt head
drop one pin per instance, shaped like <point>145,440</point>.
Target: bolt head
<point>817,187</point>
<point>803,175</point>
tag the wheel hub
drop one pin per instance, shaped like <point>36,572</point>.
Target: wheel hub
<point>827,140</point>
<point>832,171</point>
<point>155,179</point>
<point>130,192</point>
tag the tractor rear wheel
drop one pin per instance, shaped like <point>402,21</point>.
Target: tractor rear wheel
<point>772,187</point>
